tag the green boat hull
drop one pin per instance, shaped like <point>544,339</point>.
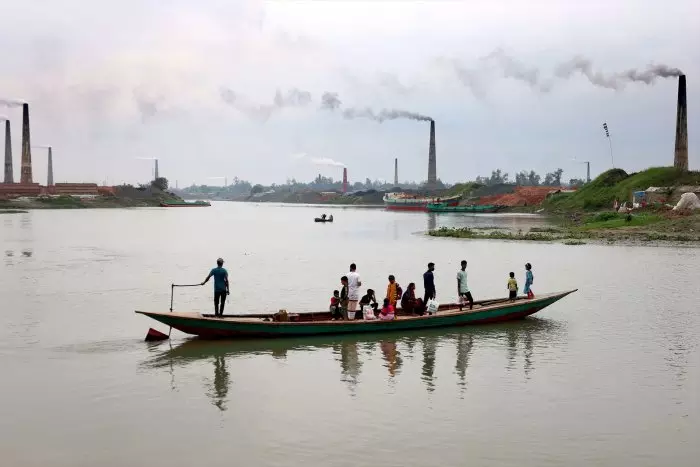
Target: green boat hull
<point>255,325</point>
<point>469,209</point>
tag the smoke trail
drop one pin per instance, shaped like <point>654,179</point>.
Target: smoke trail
<point>330,101</point>
<point>3,118</point>
<point>12,102</point>
<point>500,62</point>
<point>326,161</point>
<point>292,98</point>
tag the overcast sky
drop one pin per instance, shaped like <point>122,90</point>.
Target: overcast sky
<point>194,83</point>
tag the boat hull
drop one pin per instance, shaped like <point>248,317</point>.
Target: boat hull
<point>464,209</point>
<point>254,327</point>
<point>184,205</point>
<point>416,204</point>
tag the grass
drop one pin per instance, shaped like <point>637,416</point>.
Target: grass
<point>545,230</point>
<point>462,189</point>
<point>613,220</point>
<point>616,184</point>
<point>574,242</point>
<point>12,211</point>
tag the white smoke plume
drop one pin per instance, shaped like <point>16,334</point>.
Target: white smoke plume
<point>302,156</point>
<point>12,102</point>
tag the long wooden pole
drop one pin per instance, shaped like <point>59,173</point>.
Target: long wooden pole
<point>172,293</point>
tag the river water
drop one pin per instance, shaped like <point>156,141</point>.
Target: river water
<point>609,376</point>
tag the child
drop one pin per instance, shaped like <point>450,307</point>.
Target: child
<point>335,305</point>
<point>529,279</point>
<point>387,312</point>
<point>344,298</point>
<point>512,287</point>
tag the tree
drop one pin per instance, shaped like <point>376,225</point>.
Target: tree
<point>257,189</point>
<point>576,183</point>
<point>533,178</point>
<point>161,183</point>
<point>553,178</point>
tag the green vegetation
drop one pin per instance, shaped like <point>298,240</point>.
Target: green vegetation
<point>60,202</point>
<point>462,189</point>
<point>616,184</point>
<point>465,232</point>
<point>614,220</point>
<point>574,242</point>
<point>546,230</point>
<point>12,211</point>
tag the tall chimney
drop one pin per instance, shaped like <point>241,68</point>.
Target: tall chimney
<point>26,170</point>
<point>9,177</point>
<point>345,179</point>
<point>156,171</point>
<point>432,163</point>
<point>396,172</point>
<point>680,155</point>
<point>49,180</point>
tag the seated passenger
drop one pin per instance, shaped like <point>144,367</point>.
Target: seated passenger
<point>408,301</point>
<point>335,306</point>
<point>369,301</point>
<point>387,312</point>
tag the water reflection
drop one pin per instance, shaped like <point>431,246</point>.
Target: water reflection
<point>432,221</point>
<point>392,350</point>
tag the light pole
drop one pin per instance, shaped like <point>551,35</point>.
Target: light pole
<point>607,135</point>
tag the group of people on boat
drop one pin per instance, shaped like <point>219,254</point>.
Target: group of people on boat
<point>347,304</point>
<point>325,218</point>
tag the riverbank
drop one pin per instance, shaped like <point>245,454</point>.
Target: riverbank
<point>603,227</point>
<point>125,198</point>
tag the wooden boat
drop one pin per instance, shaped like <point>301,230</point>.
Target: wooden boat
<point>312,324</point>
<point>322,219</point>
<point>408,202</point>
<point>184,204</point>
<point>443,207</point>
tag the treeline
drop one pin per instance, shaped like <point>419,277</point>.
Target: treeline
<point>320,183</point>
<point>524,178</point>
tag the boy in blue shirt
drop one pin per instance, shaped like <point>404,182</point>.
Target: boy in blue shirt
<point>221,289</point>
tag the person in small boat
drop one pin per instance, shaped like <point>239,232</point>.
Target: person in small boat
<point>354,283</point>
<point>409,304</point>
<point>393,291</point>
<point>429,283</point>
<point>221,289</point>
<point>369,301</point>
<point>344,298</point>
<point>335,305</point>
<point>330,218</point>
<point>512,287</point>
<point>529,279</point>
<point>323,216</point>
<point>388,311</point>
<point>462,289</point>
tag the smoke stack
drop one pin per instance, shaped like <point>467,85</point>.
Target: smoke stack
<point>26,169</point>
<point>9,177</point>
<point>156,171</point>
<point>432,163</point>
<point>680,155</point>
<point>49,180</point>
<point>345,180</point>
<point>396,172</point>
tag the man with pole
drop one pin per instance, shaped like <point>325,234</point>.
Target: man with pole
<point>221,289</point>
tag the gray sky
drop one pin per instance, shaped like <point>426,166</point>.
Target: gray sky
<point>110,82</point>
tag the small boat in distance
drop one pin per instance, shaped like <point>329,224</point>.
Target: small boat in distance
<point>410,202</point>
<point>320,323</point>
<point>323,218</point>
<point>184,204</point>
<point>442,207</point>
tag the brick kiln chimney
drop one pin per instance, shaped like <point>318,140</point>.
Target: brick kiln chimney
<point>49,179</point>
<point>9,177</point>
<point>432,163</point>
<point>396,172</point>
<point>156,171</point>
<point>345,179</point>
<point>26,169</point>
<point>680,155</point>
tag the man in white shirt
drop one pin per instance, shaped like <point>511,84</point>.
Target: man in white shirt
<point>462,289</point>
<point>354,284</point>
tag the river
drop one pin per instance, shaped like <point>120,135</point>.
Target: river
<point>609,376</point>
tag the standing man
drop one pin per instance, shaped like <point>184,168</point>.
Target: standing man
<point>462,290</point>
<point>354,284</point>
<point>221,289</point>
<point>429,284</point>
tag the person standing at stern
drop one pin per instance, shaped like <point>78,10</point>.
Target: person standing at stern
<point>462,289</point>
<point>354,283</point>
<point>221,288</point>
